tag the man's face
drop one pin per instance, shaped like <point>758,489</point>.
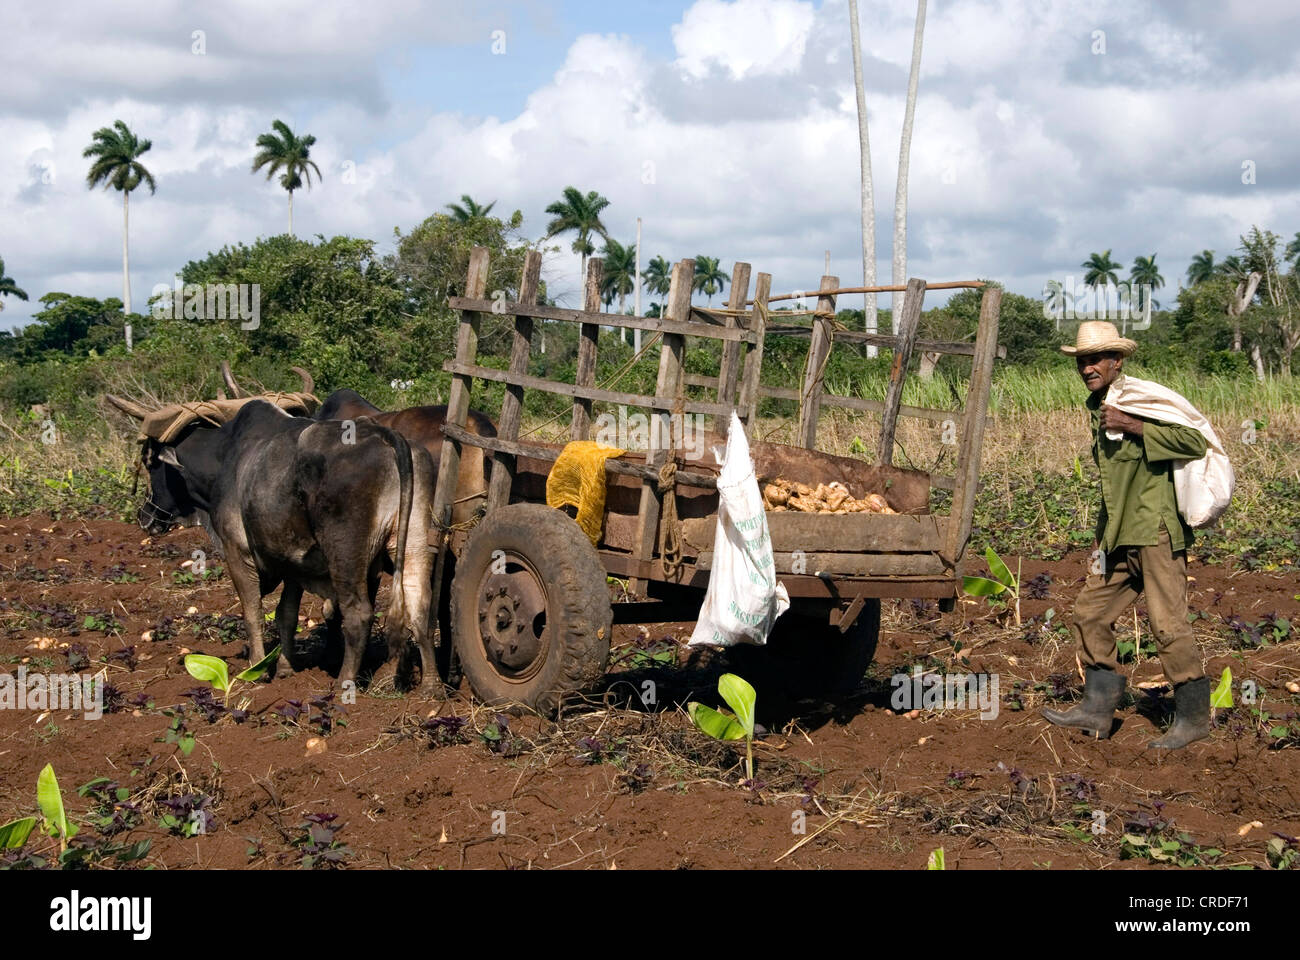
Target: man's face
<point>1099,370</point>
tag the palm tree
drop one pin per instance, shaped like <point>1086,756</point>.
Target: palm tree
<point>288,153</point>
<point>8,287</point>
<point>116,152</point>
<point>620,272</point>
<point>470,210</point>
<point>580,214</point>
<point>1201,268</point>
<point>868,196</point>
<point>1101,271</point>
<point>658,276</point>
<point>709,278</point>
<point>1231,267</point>
<point>904,156</point>
<point>1145,272</point>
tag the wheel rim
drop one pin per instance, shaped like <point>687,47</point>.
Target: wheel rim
<point>513,627</point>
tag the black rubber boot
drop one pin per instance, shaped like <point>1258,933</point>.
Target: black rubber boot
<point>1191,715</point>
<point>1102,692</point>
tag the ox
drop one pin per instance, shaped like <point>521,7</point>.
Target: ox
<point>421,426</point>
<point>320,506</point>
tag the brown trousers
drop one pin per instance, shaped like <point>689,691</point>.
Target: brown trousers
<point>1130,571</point>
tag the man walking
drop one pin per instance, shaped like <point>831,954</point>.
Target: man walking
<point>1143,541</point>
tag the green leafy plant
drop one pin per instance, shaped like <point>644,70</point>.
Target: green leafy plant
<point>50,800</point>
<point>935,862</point>
<point>178,733</point>
<point>1003,583</point>
<point>1221,697</point>
<point>15,833</point>
<point>102,621</point>
<point>1283,853</point>
<point>740,696</point>
<point>1182,851</point>
<point>213,670</point>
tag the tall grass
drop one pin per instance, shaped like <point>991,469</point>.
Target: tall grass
<point>1031,390</point>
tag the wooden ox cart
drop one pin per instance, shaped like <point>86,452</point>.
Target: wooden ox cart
<point>523,593</point>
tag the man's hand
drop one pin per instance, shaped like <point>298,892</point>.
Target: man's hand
<point>1112,419</point>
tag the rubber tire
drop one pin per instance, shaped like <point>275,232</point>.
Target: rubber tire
<point>807,658</point>
<point>579,619</point>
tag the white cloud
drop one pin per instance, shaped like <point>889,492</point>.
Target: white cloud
<point>746,38</point>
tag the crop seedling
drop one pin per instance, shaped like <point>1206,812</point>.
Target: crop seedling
<point>188,814</point>
<point>740,696</point>
<point>317,847</point>
<point>82,854</point>
<point>213,670</point>
<point>14,834</point>
<point>102,621</point>
<point>50,800</point>
<point>1283,852</point>
<point>935,861</point>
<point>178,733</point>
<point>113,812</point>
<point>1221,697</point>
<point>1001,584</point>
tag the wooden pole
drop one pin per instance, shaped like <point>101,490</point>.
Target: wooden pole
<point>945,285</point>
<point>671,383</point>
<point>458,401</point>
<point>972,431</point>
<point>729,370</point>
<point>636,334</point>
<point>819,348</point>
<point>905,326</point>
<point>750,387</point>
<point>503,464</point>
<point>588,334</point>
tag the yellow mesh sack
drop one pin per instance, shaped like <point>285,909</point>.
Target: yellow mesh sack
<point>578,480</point>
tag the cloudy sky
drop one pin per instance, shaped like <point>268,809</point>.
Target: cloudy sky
<point>729,126</point>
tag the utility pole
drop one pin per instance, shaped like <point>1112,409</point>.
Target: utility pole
<point>636,334</point>
<point>868,196</point>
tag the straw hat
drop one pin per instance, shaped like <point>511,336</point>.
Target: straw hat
<point>1100,336</point>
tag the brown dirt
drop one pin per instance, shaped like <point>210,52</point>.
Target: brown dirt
<point>874,788</point>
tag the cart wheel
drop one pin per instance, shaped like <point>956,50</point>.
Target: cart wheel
<point>530,612</point>
<point>807,658</point>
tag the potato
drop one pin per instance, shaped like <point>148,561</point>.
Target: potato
<point>776,495</point>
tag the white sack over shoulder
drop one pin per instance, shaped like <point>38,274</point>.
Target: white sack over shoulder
<point>1202,487</point>
<point>743,598</point>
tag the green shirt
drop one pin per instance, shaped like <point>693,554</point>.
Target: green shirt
<point>1137,481</point>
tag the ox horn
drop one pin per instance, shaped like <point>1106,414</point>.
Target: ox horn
<point>308,384</point>
<point>130,408</point>
<point>235,390</point>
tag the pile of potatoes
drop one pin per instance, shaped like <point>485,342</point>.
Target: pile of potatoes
<point>782,495</point>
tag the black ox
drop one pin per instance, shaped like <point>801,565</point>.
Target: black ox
<point>318,506</point>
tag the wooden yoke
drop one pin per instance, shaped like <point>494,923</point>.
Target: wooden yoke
<point>671,384</point>
<point>503,464</point>
<point>819,350</point>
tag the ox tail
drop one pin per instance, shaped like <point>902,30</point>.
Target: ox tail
<point>397,619</point>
